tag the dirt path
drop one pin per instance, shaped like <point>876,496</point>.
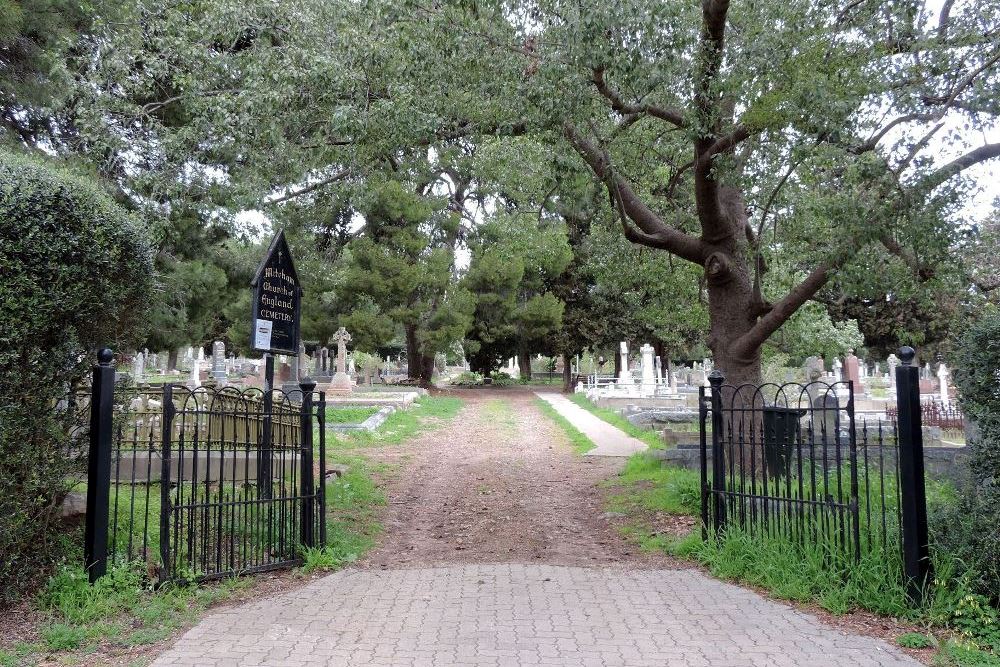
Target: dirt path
<point>499,483</point>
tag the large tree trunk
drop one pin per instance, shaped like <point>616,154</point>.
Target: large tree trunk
<point>567,373</point>
<point>171,360</point>
<point>426,371</point>
<point>524,361</point>
<point>733,307</point>
<point>413,356</point>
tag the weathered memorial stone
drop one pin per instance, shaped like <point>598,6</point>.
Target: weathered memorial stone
<point>341,382</point>
<point>852,370</point>
<point>893,361</point>
<point>943,373</point>
<point>138,367</point>
<point>624,375</point>
<point>648,377</point>
<point>219,361</point>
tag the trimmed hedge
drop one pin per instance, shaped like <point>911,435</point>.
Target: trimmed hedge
<point>77,273</point>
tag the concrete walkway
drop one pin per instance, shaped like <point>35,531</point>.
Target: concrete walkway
<point>502,614</point>
<point>609,440</point>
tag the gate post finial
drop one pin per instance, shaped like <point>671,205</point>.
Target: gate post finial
<point>906,355</point>
<point>716,378</point>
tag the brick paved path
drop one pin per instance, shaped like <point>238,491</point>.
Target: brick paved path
<point>522,615</point>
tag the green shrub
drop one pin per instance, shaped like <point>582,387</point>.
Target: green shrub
<point>77,272</point>
<point>468,379</point>
<point>970,531</point>
<point>914,640</point>
<point>501,379</point>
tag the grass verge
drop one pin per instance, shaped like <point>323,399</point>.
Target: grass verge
<point>428,413</point>
<point>647,491</point>
<point>349,415</point>
<point>651,438</point>
<point>580,443</point>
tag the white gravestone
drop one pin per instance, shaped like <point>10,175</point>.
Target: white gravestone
<point>648,372</point>
<point>138,367</point>
<point>943,374</point>
<point>341,382</point>
<point>624,375</point>
<point>893,361</point>
<point>219,361</point>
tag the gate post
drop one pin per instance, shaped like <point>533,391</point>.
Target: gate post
<point>95,540</point>
<point>715,379</point>
<point>916,553</point>
<point>308,490</point>
<point>703,462</point>
<point>166,432</point>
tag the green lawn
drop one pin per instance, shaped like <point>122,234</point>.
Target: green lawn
<point>349,414</point>
<point>581,443</point>
<point>428,413</point>
<point>651,438</point>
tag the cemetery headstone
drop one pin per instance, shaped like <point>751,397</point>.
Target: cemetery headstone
<point>943,373</point>
<point>341,382</point>
<point>138,368</point>
<point>219,361</point>
<point>648,376</point>
<point>852,370</point>
<point>893,361</point>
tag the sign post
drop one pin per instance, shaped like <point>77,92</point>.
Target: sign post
<point>277,305</point>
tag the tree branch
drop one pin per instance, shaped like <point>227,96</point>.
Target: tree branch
<point>960,164</point>
<point>655,231</point>
<point>878,136</point>
<point>706,188</point>
<point>339,176</point>
<point>671,116</point>
<point>784,309</point>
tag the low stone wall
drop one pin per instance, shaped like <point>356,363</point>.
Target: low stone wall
<point>369,424</point>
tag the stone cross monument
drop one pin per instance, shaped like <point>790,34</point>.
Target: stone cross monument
<point>341,382</point>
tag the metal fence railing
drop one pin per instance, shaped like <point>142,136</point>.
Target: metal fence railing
<point>202,483</point>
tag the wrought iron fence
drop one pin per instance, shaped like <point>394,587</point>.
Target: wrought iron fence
<point>791,462</point>
<point>208,482</point>
<point>948,417</point>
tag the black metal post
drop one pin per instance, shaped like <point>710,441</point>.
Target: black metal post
<point>264,457</point>
<point>307,493</point>
<point>916,553</point>
<point>703,451</point>
<point>715,379</point>
<point>95,541</point>
<point>166,432</point>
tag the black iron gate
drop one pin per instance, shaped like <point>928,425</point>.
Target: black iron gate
<point>784,461</point>
<point>204,483</point>
<point>796,463</point>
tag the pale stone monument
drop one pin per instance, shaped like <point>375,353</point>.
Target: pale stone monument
<point>138,367</point>
<point>341,382</point>
<point>838,368</point>
<point>893,361</point>
<point>943,374</point>
<point>219,362</point>
<point>195,380</point>
<point>625,375</point>
<point>648,372</point>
